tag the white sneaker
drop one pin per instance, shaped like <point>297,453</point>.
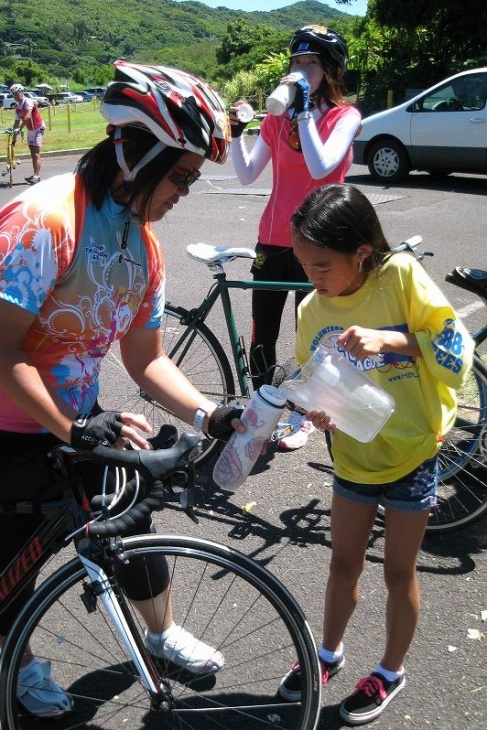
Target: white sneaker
<point>178,646</point>
<point>39,694</point>
<point>301,429</point>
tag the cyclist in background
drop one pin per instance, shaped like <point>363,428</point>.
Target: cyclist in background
<point>308,145</point>
<point>80,268</point>
<point>27,115</point>
<point>389,319</point>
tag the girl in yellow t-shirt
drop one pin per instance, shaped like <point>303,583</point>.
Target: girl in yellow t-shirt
<point>388,318</point>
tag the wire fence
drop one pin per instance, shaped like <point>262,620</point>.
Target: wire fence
<point>68,126</point>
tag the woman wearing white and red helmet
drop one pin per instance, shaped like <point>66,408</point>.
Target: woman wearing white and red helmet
<point>67,294</point>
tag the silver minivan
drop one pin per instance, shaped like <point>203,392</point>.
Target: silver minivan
<point>7,100</point>
<point>441,130</point>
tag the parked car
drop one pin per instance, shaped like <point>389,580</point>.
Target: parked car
<point>64,97</point>
<point>7,100</point>
<point>87,95</point>
<point>41,100</point>
<point>98,91</point>
<point>441,130</point>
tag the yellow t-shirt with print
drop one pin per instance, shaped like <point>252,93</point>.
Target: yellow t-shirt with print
<point>402,297</point>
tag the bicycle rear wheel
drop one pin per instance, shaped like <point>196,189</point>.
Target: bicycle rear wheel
<point>462,489</point>
<point>199,355</point>
<point>219,595</point>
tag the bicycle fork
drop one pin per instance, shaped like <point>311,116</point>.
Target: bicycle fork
<point>103,587</point>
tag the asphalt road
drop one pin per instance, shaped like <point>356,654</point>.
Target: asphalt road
<point>288,528</point>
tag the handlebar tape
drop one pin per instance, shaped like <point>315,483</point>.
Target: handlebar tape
<point>127,522</point>
<point>154,467</point>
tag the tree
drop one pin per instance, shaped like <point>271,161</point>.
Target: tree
<point>239,39</point>
<point>455,31</point>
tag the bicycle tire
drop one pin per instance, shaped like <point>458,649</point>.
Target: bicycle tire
<point>462,488</point>
<point>200,357</point>
<point>462,460</point>
<point>222,596</point>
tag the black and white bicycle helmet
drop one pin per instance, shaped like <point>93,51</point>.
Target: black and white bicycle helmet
<point>178,108</point>
<point>325,42</point>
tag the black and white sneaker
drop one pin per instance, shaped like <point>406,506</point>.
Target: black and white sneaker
<point>371,697</point>
<point>290,687</point>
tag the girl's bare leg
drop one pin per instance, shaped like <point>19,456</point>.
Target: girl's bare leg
<point>351,525</point>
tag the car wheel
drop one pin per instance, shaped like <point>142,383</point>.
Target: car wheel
<point>388,161</point>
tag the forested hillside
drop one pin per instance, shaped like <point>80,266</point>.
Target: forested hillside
<point>79,39</point>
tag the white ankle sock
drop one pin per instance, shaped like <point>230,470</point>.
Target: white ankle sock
<point>388,675</point>
<point>330,657</point>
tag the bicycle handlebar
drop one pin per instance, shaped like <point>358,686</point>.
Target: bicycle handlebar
<point>154,466</point>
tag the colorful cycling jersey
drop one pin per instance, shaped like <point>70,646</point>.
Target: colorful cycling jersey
<point>87,275</point>
<point>400,297</point>
<point>292,180</point>
<point>35,121</point>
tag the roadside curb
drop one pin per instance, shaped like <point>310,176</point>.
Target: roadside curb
<point>53,153</point>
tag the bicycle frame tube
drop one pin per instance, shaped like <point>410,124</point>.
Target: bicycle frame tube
<point>221,289</point>
<point>237,344</point>
<point>121,619</point>
<point>31,558</point>
<point>10,157</point>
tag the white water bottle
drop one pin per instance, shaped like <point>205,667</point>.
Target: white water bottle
<point>260,419</point>
<point>283,96</point>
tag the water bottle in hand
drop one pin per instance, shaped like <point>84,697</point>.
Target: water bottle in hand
<point>260,418</point>
<point>282,97</point>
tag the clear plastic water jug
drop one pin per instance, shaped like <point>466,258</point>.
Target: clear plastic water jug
<point>329,382</point>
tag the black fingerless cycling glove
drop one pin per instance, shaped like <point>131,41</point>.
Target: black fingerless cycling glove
<point>302,98</point>
<point>89,430</point>
<point>219,424</point>
<point>236,130</point>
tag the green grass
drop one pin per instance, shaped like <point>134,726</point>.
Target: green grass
<point>68,127</point>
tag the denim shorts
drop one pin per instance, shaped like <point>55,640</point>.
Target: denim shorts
<point>414,492</point>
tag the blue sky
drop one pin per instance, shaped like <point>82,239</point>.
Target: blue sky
<point>357,8</point>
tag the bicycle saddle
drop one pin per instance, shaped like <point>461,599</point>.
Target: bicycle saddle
<point>474,280</point>
<point>214,254</point>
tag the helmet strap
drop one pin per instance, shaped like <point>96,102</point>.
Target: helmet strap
<point>130,175</point>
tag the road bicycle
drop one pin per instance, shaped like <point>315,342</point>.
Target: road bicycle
<point>10,161</point>
<point>79,620</point>
<point>196,349</point>
<point>462,498</point>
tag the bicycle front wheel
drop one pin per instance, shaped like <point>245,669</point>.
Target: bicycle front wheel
<point>462,489</point>
<point>196,351</point>
<point>222,597</point>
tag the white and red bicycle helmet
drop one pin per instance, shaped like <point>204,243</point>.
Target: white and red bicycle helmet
<point>177,107</point>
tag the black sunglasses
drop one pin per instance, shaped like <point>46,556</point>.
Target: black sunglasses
<point>181,177</point>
